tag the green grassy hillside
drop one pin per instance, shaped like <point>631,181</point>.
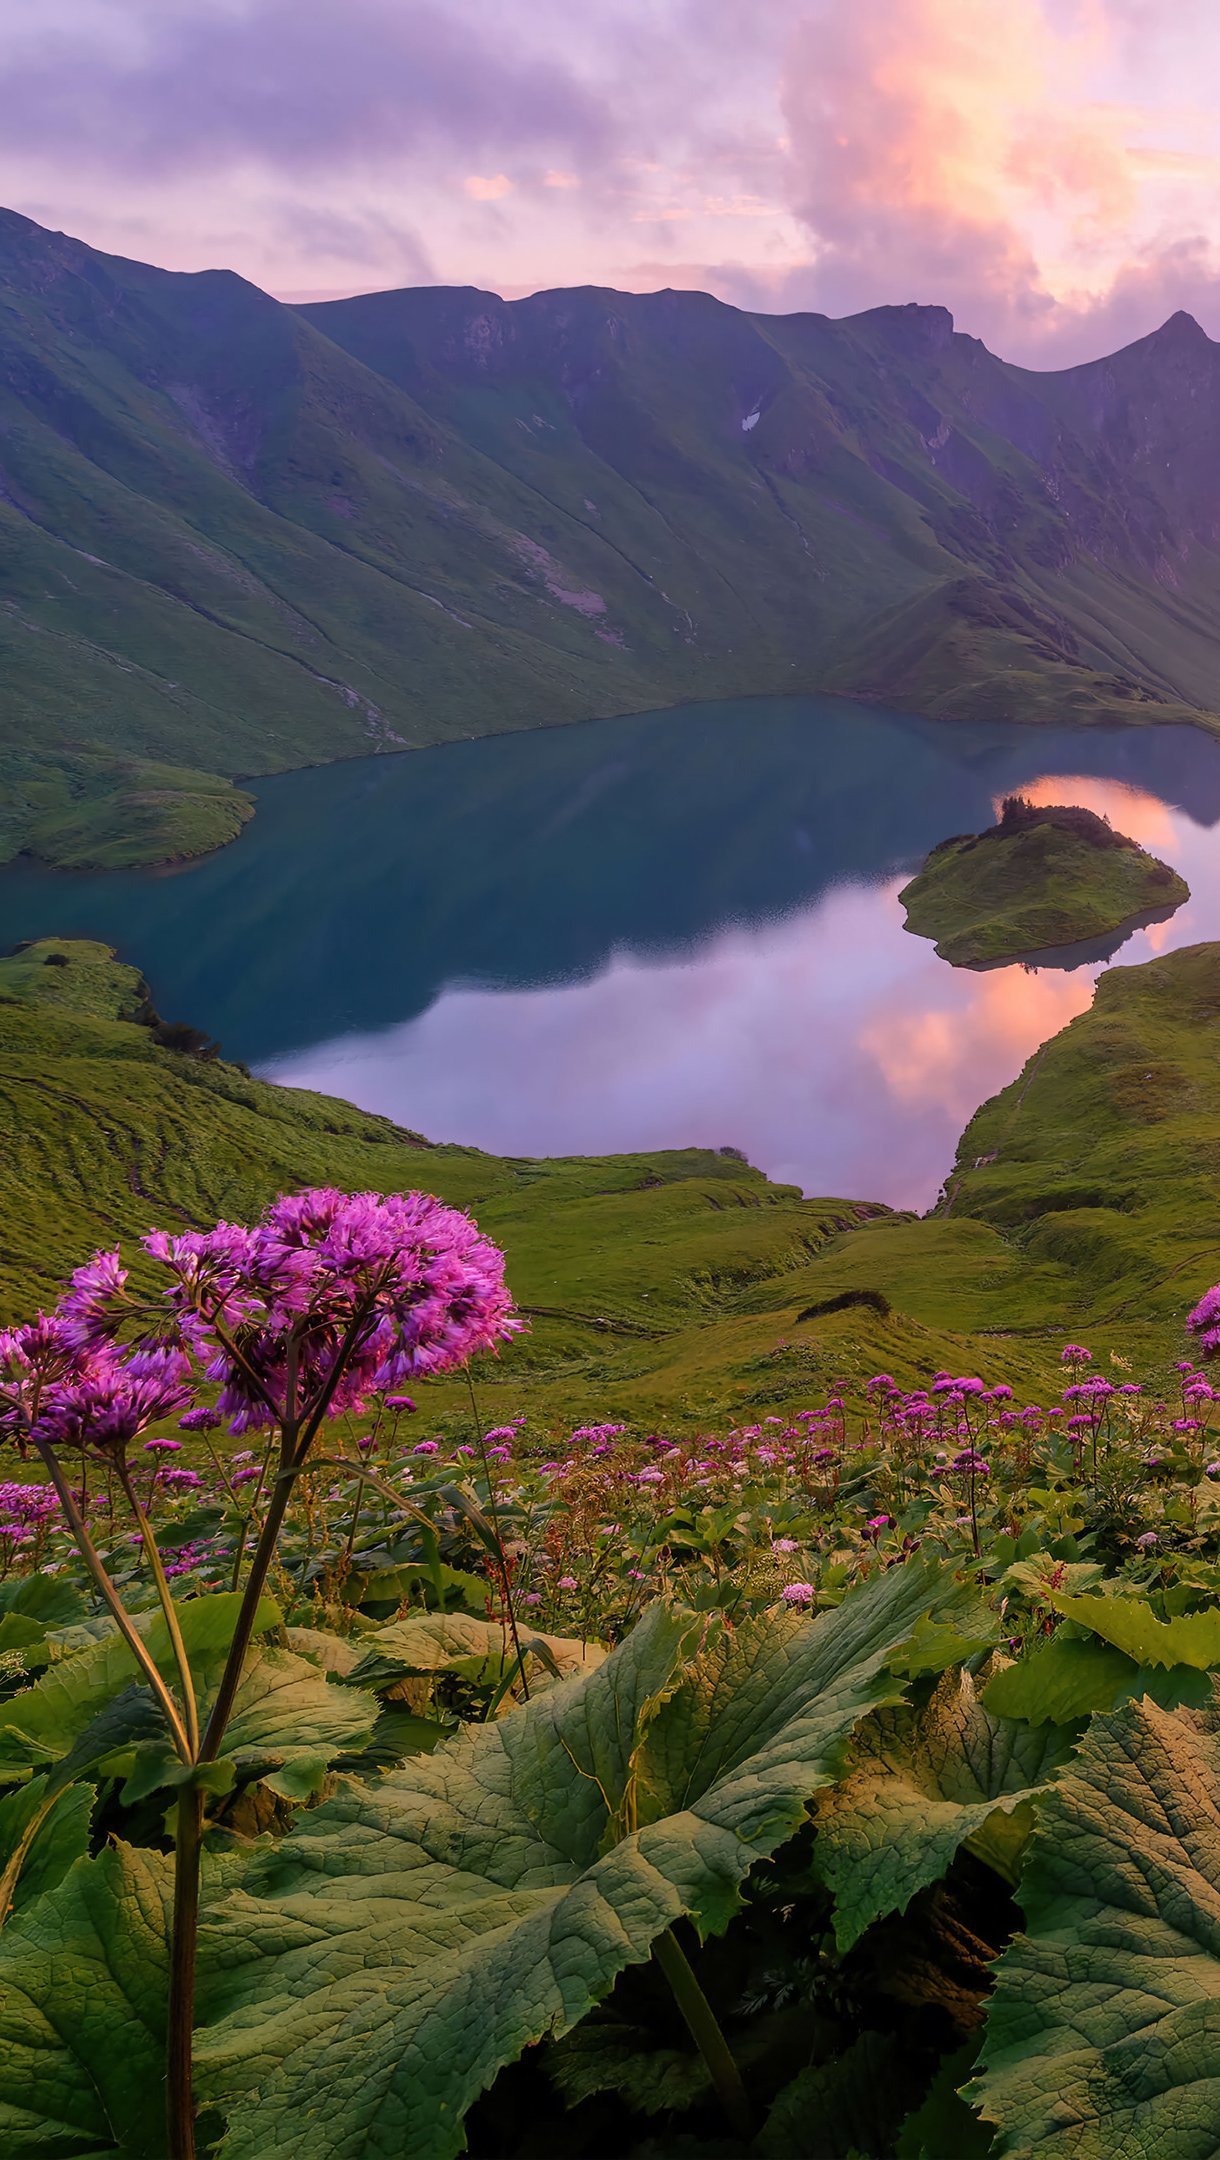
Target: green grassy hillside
<point>1103,1158</point>
<point>1086,1197</point>
<point>1042,877</point>
<point>237,537</point>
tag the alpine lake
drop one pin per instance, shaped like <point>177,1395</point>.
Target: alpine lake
<point>680,928</point>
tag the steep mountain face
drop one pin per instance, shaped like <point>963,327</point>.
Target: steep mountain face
<point>237,537</point>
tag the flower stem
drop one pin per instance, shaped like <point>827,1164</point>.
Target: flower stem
<point>179,2080</point>
<point>114,1603</point>
<point>260,1568</point>
<point>505,1577</point>
<point>700,2021</point>
<point>168,1608</point>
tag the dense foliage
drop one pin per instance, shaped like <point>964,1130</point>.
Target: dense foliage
<point>659,1793</point>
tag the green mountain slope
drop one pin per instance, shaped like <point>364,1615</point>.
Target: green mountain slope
<point>1087,1197</point>
<point>237,537</point>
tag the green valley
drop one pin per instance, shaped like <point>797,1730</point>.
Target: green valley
<point>238,537</point>
<point>1086,1197</point>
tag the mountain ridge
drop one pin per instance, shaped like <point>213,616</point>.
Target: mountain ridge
<point>238,536</point>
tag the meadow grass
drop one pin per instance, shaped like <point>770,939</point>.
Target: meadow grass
<point>682,1284</point>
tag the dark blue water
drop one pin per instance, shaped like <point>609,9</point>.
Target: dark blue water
<point>675,928</point>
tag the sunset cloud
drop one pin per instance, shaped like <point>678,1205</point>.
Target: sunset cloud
<point>482,188</point>
<point>958,151</point>
<point>1049,169</point>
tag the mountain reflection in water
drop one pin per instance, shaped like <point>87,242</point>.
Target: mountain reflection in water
<point>679,928</point>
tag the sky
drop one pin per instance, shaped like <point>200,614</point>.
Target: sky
<point>1048,169</point>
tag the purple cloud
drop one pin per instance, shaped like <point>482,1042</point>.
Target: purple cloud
<point>325,84</point>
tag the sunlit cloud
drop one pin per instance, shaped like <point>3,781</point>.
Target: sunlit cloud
<point>1048,169</point>
<point>1141,817</point>
<point>487,187</point>
<point>957,151</point>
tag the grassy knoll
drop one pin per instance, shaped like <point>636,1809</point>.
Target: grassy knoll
<point>1103,1158</point>
<point>1086,1197</point>
<point>1040,878</point>
<point>96,812</point>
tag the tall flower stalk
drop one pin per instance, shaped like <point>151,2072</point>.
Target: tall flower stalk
<point>323,1306</point>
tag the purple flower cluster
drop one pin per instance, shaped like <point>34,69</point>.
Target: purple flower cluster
<point>1204,1321</point>
<point>330,1298</point>
<point>56,1389</point>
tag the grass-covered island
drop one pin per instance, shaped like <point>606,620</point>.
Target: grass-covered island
<point>1043,877</point>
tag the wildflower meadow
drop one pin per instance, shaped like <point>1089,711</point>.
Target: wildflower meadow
<point>840,1782</point>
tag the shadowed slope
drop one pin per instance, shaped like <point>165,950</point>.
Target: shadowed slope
<point>237,537</point>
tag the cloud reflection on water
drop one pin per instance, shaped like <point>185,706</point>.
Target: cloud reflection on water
<point>831,1046</point>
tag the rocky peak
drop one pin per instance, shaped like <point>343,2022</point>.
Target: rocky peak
<point>1181,329</point>
<point>913,325</point>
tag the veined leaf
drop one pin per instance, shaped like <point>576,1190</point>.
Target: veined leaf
<point>938,1643</point>
<point>944,2123</point>
<point>289,1715</point>
<point>1131,1625</point>
<point>19,1632</point>
<point>40,1725</point>
<point>383,1963</point>
<point>852,2106</point>
<point>83,1981</point>
<point>476,1650</point>
<point>397,1733</point>
<point>1059,1682</point>
<point>288,1723</point>
<point>921,1784</point>
<point>1071,1677</point>
<point>53,1599</point>
<point>1104,2030</point>
<point>1041,1574</point>
<point>44,1827</point>
<point>337,1654</point>
<point>395,1581</point>
<point>626,2060</point>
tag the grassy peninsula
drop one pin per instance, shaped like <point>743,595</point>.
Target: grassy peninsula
<point>1086,1196</point>
<point>1041,877</point>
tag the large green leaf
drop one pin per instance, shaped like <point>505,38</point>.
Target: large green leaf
<point>650,2078</point>
<point>943,2125</point>
<point>32,1607</point>
<point>922,1783</point>
<point>289,1721</point>
<point>338,1654</point>
<point>1103,2037</point>
<point>477,1650</point>
<point>40,1725</point>
<point>845,2109</point>
<point>52,1599</point>
<point>1070,1677</point>
<point>384,1962</point>
<point>1132,1626</point>
<point>44,1827</point>
<point>83,1978</point>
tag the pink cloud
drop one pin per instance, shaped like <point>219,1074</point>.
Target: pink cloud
<point>957,151</point>
<point>1049,169</point>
